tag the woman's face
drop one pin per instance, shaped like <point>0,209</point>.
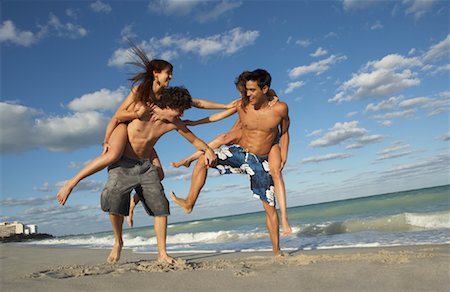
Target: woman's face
<point>163,78</point>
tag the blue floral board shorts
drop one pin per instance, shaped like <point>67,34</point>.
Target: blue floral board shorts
<point>235,159</point>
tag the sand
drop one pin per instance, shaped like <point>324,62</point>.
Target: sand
<point>409,268</point>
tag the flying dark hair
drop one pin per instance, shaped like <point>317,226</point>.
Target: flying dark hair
<point>174,97</point>
<point>144,79</point>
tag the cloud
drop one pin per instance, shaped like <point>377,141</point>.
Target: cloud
<point>358,4</point>
<point>414,101</point>
<point>33,201</point>
<point>170,47</point>
<point>293,85</point>
<point>376,25</point>
<point>390,103</point>
<point>331,156</point>
<point>103,100</point>
<point>380,78</point>
<point>85,185</point>
<point>364,140</point>
<point>438,51</point>
<point>418,7</point>
<point>9,33</point>
<point>44,188</point>
<point>99,6</point>
<point>393,151</point>
<point>54,27</point>
<point>316,67</point>
<point>319,52</point>
<point>303,43</point>
<point>202,11</point>
<point>23,128</point>
<point>396,114</point>
<point>314,133</point>
<point>445,137</point>
<point>339,133</point>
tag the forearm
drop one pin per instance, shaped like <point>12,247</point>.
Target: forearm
<point>205,104</point>
<point>284,146</point>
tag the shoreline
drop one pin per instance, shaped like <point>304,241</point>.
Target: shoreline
<point>397,268</point>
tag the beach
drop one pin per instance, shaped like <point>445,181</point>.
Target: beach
<point>400,268</point>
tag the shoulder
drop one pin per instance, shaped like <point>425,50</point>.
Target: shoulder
<point>281,107</point>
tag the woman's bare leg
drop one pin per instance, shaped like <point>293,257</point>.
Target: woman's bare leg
<point>223,139</point>
<point>280,190</point>
<point>117,142</point>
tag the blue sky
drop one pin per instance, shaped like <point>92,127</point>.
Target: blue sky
<point>366,82</point>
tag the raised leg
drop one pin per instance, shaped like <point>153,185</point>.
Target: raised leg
<point>117,141</point>
<point>198,179</point>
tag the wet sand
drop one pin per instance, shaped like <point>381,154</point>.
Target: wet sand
<point>408,268</point>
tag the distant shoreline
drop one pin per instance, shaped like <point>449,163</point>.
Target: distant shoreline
<point>25,237</point>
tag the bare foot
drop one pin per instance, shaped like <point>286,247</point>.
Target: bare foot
<point>166,259</point>
<point>64,193</point>
<point>183,162</point>
<point>279,254</point>
<point>182,203</point>
<point>114,256</point>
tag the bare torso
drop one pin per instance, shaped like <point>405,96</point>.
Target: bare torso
<point>143,135</point>
<point>259,128</point>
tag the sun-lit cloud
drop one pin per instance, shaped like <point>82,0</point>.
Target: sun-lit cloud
<point>293,85</point>
<point>331,156</point>
<point>99,6</point>
<point>319,52</point>
<point>10,33</point>
<point>103,100</point>
<point>172,46</point>
<point>316,67</point>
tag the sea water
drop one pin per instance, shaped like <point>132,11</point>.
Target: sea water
<point>414,217</point>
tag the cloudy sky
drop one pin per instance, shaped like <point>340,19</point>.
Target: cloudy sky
<point>366,82</point>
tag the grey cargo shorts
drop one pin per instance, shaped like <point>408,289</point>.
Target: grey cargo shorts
<point>127,174</point>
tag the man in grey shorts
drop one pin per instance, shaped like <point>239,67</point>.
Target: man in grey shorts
<point>135,170</point>
<point>128,174</point>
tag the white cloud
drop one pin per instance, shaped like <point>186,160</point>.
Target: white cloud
<point>22,128</point>
<point>340,133</point>
<point>103,100</point>
<point>217,11</point>
<point>445,137</point>
<point>319,52</point>
<point>379,78</point>
<point>331,156</point>
<point>314,133</point>
<point>293,85</point>
<point>175,7</point>
<point>303,43</point>
<point>99,6</point>
<point>376,25</point>
<point>393,151</point>
<point>396,114</point>
<point>66,30</point>
<point>390,103</point>
<point>414,101</point>
<point>438,51</point>
<point>9,33</point>
<point>316,67</point>
<point>351,114</point>
<point>364,140</point>
<point>172,46</point>
<point>44,188</point>
<point>85,185</point>
<point>202,11</point>
<point>32,201</point>
<point>358,4</point>
<point>418,7</point>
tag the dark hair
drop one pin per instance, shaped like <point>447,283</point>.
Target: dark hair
<point>144,79</point>
<point>261,76</point>
<point>176,97</point>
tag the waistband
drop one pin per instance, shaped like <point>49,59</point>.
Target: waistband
<point>135,160</point>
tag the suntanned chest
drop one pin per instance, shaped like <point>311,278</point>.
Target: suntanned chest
<point>265,120</point>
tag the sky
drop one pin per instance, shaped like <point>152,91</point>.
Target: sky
<point>366,83</point>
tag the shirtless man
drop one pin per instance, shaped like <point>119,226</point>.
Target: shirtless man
<point>259,129</point>
<point>134,170</point>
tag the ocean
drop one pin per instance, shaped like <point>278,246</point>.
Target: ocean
<point>415,217</point>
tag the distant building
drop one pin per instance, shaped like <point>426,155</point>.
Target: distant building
<point>7,229</point>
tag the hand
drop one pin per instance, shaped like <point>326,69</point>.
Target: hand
<point>144,112</point>
<point>274,101</point>
<point>130,221</point>
<point>211,157</point>
<point>106,147</point>
<point>232,104</point>
<point>160,114</point>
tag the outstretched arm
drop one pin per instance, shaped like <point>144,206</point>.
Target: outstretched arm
<point>205,104</point>
<point>212,118</point>
<point>210,156</point>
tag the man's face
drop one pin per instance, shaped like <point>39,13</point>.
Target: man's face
<point>174,112</point>
<point>254,93</point>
